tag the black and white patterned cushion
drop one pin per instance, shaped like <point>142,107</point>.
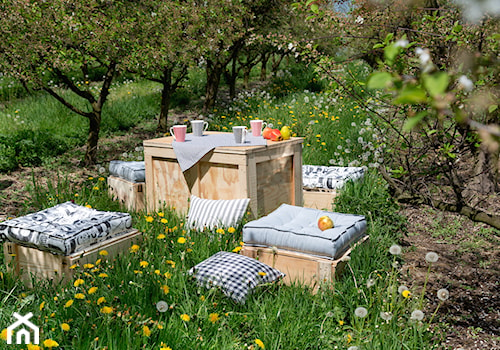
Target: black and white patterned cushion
<point>212,213</point>
<point>65,228</point>
<point>235,274</point>
<point>130,171</point>
<point>329,177</point>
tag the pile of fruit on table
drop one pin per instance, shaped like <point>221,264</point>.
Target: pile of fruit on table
<point>276,134</point>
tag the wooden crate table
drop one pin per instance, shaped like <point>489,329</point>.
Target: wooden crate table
<point>29,262</point>
<point>269,175</point>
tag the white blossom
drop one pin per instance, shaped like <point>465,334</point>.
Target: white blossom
<point>465,83</point>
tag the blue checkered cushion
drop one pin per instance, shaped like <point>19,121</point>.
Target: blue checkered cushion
<point>235,274</point>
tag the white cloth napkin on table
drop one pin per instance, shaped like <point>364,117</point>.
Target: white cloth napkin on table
<point>188,153</point>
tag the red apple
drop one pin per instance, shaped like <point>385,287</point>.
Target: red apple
<point>325,223</point>
<point>266,133</point>
<point>276,135</point>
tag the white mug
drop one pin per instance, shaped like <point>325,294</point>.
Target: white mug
<point>199,127</point>
<point>257,126</point>
<point>240,134</point>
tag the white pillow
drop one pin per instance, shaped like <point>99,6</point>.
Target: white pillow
<point>212,213</point>
<point>235,274</point>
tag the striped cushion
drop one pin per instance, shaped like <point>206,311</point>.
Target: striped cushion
<point>212,213</point>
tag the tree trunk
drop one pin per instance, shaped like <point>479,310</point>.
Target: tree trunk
<point>214,71</point>
<point>166,95</point>
<point>246,76</point>
<point>263,68</point>
<point>232,79</point>
<point>90,157</point>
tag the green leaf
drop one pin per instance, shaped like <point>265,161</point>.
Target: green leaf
<point>410,123</point>
<point>436,83</point>
<point>492,108</point>
<point>379,80</point>
<point>315,8</point>
<point>390,53</point>
<point>411,95</point>
<point>378,46</point>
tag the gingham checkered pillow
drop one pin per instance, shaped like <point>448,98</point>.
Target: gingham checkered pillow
<point>235,274</point>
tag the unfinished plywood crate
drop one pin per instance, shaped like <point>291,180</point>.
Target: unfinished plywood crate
<point>319,198</point>
<point>31,262</point>
<point>269,175</point>
<point>131,194</point>
<point>300,268</point>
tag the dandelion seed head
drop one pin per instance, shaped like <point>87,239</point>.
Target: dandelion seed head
<point>395,249</point>
<point>370,283</point>
<point>386,315</point>
<point>443,294</point>
<point>417,315</point>
<point>360,312</point>
<point>161,306</point>
<point>431,257</point>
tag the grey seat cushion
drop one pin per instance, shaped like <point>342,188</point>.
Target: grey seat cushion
<point>329,177</point>
<point>295,228</point>
<point>130,171</point>
<point>65,228</point>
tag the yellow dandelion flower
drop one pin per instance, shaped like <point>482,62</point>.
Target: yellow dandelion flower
<point>138,272</point>
<point>103,275</point>
<point>56,298</point>
<point>213,317</point>
<point>149,219</point>
<point>185,317</point>
<point>52,314</point>
<point>159,326</point>
<point>181,240</point>
<point>202,298</point>
<point>3,334</point>
<point>157,272</point>
<point>42,305</point>
<point>165,289</point>
<point>349,338</point>
<point>220,231</point>
<point>101,179</point>
<point>88,266</point>
<point>65,327</point>
<point>69,303</point>
<point>161,214</point>
<point>167,275</point>
<point>160,236</point>
<point>164,221</point>
<point>259,343</point>
<point>189,250</point>
<point>49,343</point>
<point>33,347</point>
<point>146,331</point>
<point>88,206</point>
<point>95,188</point>
<point>134,248</point>
<point>231,229</point>
<point>79,296</point>
<point>406,293</point>
<point>74,266</point>
<point>165,347</point>
<point>91,178</point>
<point>76,194</point>
<point>144,263</point>
<point>97,262</point>
<point>341,323</point>
<point>103,253</point>
<point>106,310</point>
<point>171,263</point>
<point>92,290</point>
<point>78,282</point>
<point>101,300</point>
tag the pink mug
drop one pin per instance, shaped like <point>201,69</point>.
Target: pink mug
<point>257,126</point>
<point>178,132</point>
